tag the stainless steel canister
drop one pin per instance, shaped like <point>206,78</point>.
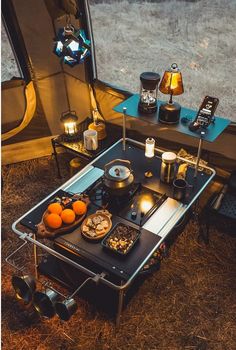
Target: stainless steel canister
<point>168,167</point>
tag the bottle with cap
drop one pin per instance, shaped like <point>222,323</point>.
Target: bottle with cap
<point>168,167</point>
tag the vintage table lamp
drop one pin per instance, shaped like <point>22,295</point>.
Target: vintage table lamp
<point>172,85</point>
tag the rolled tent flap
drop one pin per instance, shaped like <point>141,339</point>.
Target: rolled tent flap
<point>30,107</point>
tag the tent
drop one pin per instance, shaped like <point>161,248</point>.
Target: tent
<point>49,87</point>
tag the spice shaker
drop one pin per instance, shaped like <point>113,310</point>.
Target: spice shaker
<point>168,167</point>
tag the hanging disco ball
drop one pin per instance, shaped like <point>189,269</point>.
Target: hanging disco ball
<point>72,45</point>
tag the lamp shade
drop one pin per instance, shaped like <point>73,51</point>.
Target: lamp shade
<point>172,82</point>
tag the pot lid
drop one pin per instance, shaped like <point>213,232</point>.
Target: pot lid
<point>169,157</point>
<point>119,172</point>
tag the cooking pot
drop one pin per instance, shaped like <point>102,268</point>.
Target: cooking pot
<point>118,176</point>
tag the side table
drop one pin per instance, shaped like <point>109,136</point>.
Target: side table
<point>77,147</point>
<point>129,107</point>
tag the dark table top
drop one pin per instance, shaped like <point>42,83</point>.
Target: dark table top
<point>140,164</point>
<point>122,267</point>
<point>114,133</point>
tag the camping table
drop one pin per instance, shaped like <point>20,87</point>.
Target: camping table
<point>154,231</point>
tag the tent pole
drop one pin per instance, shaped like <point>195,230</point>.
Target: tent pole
<point>63,71</point>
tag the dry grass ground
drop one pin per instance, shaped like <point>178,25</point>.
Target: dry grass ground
<point>189,304</point>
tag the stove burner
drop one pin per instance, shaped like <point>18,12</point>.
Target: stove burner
<point>135,206</point>
<point>100,196</point>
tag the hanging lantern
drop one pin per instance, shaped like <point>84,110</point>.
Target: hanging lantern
<point>72,45</point>
<point>69,122</point>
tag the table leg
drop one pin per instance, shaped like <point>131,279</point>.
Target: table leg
<point>56,159</point>
<point>198,157</point>
<point>120,307</point>
<point>35,259</point>
<point>206,236</point>
<point>124,129</point>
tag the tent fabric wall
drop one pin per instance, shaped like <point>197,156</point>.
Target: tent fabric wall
<point>14,105</point>
<point>30,107</point>
<point>55,86</point>
<point>12,113</point>
<point>79,97</point>
<point>38,33</point>
<point>58,88</point>
<point>52,92</point>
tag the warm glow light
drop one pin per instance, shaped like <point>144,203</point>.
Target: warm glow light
<point>146,204</point>
<point>149,147</point>
<point>172,82</point>
<point>70,128</point>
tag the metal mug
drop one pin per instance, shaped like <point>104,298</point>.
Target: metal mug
<point>66,308</point>
<point>24,287</point>
<point>180,187</point>
<point>44,302</point>
<point>90,140</point>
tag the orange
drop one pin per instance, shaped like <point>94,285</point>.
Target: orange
<point>53,220</point>
<point>79,207</point>
<point>68,216</point>
<point>55,208</point>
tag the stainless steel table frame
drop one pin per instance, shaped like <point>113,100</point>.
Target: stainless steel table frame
<point>171,212</point>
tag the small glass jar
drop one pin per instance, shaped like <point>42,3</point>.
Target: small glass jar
<point>150,147</point>
<point>168,167</point>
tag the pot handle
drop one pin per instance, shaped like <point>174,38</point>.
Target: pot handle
<point>118,162</point>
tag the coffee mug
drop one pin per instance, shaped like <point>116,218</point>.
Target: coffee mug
<point>180,189</point>
<point>90,140</point>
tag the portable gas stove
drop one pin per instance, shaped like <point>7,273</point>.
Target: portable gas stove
<point>136,206</point>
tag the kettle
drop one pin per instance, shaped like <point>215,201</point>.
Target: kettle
<point>118,177</point>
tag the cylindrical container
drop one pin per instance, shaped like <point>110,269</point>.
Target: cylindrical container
<point>149,147</point>
<point>90,140</point>
<point>179,190</point>
<point>168,167</point>
<point>148,92</point>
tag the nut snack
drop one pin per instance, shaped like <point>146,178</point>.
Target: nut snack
<point>121,239</point>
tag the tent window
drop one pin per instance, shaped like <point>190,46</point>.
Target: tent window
<point>134,37</point>
<point>9,64</point>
